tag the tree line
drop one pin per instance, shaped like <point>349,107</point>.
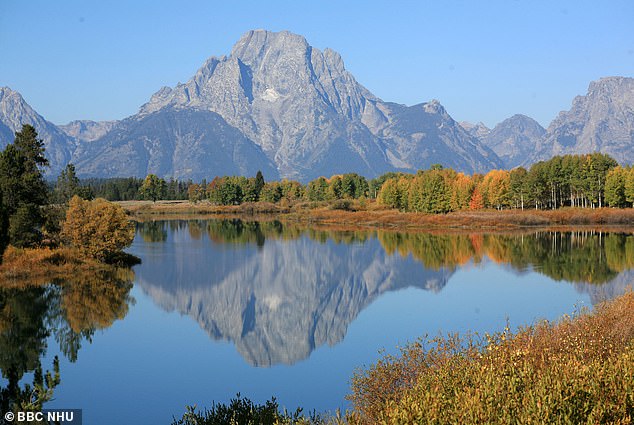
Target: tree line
<point>26,215</point>
<point>588,181</point>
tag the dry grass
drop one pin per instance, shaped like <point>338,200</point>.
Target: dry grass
<point>200,208</point>
<point>368,213</point>
<point>580,370</point>
<point>37,266</point>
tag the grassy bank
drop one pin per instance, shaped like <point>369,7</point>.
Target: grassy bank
<point>38,266</point>
<point>368,213</point>
<point>576,371</point>
<point>580,370</point>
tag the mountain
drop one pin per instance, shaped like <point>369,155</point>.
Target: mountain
<point>279,105</point>
<point>86,130</point>
<point>478,130</point>
<point>600,121</point>
<point>186,143</point>
<point>300,106</point>
<point>15,112</point>
<point>515,139</point>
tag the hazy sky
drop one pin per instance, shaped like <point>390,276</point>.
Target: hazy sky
<point>484,60</point>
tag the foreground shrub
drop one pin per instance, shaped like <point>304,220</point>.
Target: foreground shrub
<point>242,411</point>
<point>99,228</point>
<point>580,370</point>
<point>342,204</point>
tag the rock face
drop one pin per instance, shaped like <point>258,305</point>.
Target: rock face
<point>600,121</point>
<point>86,130</point>
<point>515,139</point>
<point>311,117</point>
<point>419,136</point>
<point>278,105</point>
<point>478,130</point>
<point>15,112</point>
<point>185,143</point>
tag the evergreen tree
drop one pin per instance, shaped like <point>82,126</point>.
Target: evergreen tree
<point>4,228</point>
<point>629,186</point>
<point>316,189</point>
<point>517,186</point>
<point>259,183</point>
<point>68,185</point>
<point>23,186</point>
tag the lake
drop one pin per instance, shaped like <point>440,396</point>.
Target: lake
<point>268,309</point>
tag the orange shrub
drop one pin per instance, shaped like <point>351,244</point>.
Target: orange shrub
<point>98,228</point>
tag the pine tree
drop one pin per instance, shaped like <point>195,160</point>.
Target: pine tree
<point>23,187</point>
<point>67,184</point>
<point>259,183</point>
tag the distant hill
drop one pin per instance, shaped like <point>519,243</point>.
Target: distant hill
<point>170,142</point>
<point>601,121</point>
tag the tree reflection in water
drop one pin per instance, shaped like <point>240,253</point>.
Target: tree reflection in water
<point>71,310</point>
<point>278,291</point>
<point>585,256</point>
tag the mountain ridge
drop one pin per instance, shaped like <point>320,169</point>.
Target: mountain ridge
<point>311,117</point>
<point>276,102</point>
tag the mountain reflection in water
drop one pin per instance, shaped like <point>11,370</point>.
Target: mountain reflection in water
<point>280,291</point>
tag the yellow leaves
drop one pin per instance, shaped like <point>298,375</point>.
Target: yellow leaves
<point>495,187</point>
<point>99,228</point>
<point>577,371</point>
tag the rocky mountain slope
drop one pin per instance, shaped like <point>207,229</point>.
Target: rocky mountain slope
<point>279,105</point>
<point>186,143</point>
<point>600,121</point>
<point>15,112</point>
<point>308,115</point>
<point>478,130</point>
<point>514,140</point>
<point>86,130</point>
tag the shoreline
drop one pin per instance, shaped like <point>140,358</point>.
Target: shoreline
<point>376,218</point>
<point>29,267</point>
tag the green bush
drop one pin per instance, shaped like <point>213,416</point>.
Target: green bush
<point>242,411</point>
<point>342,204</point>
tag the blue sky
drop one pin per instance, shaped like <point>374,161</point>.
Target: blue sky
<point>484,61</point>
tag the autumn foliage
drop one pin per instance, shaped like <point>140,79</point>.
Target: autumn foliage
<point>579,370</point>
<point>586,181</point>
<point>98,228</point>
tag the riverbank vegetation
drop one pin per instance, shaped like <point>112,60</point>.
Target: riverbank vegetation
<point>369,213</point>
<point>46,232</point>
<point>578,370</point>
<point>566,190</point>
<point>582,181</point>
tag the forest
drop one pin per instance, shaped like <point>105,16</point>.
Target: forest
<point>586,181</point>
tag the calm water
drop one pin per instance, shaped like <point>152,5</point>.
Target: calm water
<point>265,309</point>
